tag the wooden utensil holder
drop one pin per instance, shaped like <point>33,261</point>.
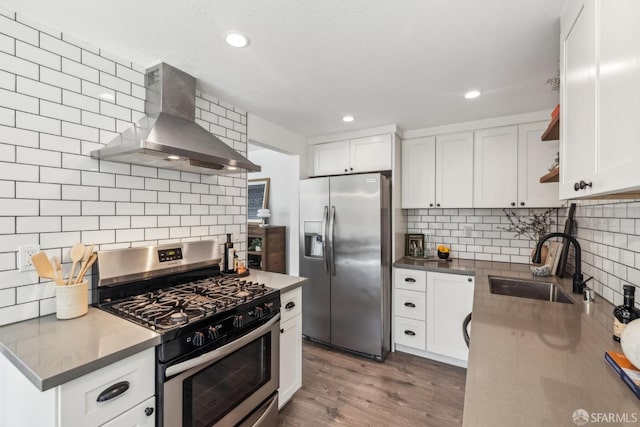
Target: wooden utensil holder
<point>72,301</point>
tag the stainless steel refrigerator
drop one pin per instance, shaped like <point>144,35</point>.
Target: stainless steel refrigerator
<point>345,251</point>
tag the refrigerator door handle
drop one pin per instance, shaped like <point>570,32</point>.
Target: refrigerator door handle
<point>325,259</point>
<point>332,222</point>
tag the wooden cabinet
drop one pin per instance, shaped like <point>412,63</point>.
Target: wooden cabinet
<point>428,312</point>
<point>366,154</point>
<point>449,301</point>
<point>600,98</point>
<point>438,171</point>
<point>273,252</point>
<point>534,157</point>
<point>290,345</point>
<point>74,404</point>
<point>495,154</point>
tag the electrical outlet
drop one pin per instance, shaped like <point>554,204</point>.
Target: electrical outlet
<point>467,230</point>
<point>26,252</point>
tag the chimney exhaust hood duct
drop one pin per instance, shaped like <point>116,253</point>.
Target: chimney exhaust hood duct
<point>168,136</point>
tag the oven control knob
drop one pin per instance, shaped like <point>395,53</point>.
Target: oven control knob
<point>258,312</point>
<point>213,333</point>
<point>198,339</point>
<point>267,307</point>
<point>238,321</point>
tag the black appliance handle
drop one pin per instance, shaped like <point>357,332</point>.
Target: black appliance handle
<point>465,331</point>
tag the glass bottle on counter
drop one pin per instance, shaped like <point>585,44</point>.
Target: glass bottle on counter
<point>228,255</point>
<point>625,313</point>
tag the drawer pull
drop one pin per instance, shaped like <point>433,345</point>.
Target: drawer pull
<point>148,411</point>
<point>410,333</point>
<point>114,391</point>
<point>409,304</point>
<point>281,331</point>
<point>290,305</point>
<point>469,279</point>
<point>410,279</point>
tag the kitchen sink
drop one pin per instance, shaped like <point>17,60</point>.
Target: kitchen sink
<point>522,288</point>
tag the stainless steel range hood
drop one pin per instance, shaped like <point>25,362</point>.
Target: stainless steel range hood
<point>168,136</point>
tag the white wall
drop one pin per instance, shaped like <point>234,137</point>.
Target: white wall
<point>52,193</point>
<point>283,172</point>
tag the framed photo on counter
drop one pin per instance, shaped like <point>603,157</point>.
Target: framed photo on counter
<point>414,245</point>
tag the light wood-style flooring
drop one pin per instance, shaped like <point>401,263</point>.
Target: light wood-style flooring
<point>342,389</point>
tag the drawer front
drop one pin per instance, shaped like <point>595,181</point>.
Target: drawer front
<point>410,332</point>
<point>409,304</point>
<point>413,280</point>
<point>292,300</point>
<point>79,398</point>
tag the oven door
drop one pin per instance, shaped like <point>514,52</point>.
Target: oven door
<point>226,385</point>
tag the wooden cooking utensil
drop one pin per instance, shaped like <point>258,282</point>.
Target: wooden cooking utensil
<point>86,260</point>
<point>85,267</point>
<point>44,268</point>
<point>58,267</point>
<point>76,254</point>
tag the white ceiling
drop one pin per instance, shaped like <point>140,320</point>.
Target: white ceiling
<point>310,62</point>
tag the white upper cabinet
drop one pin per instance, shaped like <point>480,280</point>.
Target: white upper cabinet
<point>438,171</point>
<point>454,170</point>
<point>418,173</point>
<point>495,167</point>
<point>331,158</point>
<point>534,157</point>
<point>600,97</point>
<point>366,154</point>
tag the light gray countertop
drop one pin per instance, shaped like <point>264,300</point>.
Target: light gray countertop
<point>284,282</point>
<point>453,266</point>
<point>533,363</point>
<point>51,352</point>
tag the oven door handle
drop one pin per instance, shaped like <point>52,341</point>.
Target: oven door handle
<point>221,352</point>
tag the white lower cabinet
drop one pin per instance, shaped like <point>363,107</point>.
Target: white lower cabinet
<point>449,301</point>
<point>83,402</point>
<point>290,345</point>
<point>428,311</point>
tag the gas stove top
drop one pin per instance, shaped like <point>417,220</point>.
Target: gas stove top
<point>176,306</point>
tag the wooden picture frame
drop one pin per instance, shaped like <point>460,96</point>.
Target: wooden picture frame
<point>414,244</point>
<point>257,198</point>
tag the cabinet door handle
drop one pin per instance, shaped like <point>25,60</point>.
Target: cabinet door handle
<point>513,203</point>
<point>437,205</point>
<point>409,304</point>
<point>290,305</point>
<point>410,333</point>
<point>430,205</point>
<point>410,279</point>
<point>584,185</point>
<point>469,279</point>
<point>521,203</point>
<point>114,391</point>
<point>281,331</point>
<point>148,411</point>
<point>346,170</point>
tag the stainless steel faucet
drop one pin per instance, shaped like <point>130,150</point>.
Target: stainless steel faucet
<point>578,279</point>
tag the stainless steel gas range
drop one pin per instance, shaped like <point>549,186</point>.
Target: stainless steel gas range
<point>218,360</point>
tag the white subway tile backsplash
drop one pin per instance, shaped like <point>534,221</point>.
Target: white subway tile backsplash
<point>58,207</point>
<point>95,61</point>
<point>80,223</point>
<point>73,130</point>
<point>80,101</point>
<point>17,101</point>
<point>38,56</point>
<point>54,110</point>
<point>19,66</point>
<point>59,111</point>
<point>18,137</point>
<point>18,31</point>
<point>60,47</point>
<point>58,79</point>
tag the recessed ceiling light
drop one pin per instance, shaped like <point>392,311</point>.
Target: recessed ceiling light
<point>472,94</point>
<point>173,157</point>
<point>236,39</point>
<point>107,96</point>
<point>348,119</point>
